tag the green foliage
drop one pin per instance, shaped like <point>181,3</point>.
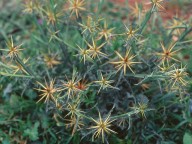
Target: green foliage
<point>32,132</point>
<point>94,72</point>
<point>187,138</point>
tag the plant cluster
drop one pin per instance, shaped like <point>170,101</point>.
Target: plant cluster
<point>96,75</point>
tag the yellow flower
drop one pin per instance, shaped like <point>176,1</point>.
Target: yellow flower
<point>19,67</point>
<point>104,83</point>
<point>102,127</point>
<point>125,61</point>
<point>168,54</point>
<point>76,6</point>
<point>105,32</point>
<point>13,49</point>
<point>51,60</point>
<point>178,75</point>
<point>48,91</point>
<point>94,50</point>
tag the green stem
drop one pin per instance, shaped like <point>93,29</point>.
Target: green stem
<point>129,114</point>
<point>15,75</point>
<point>144,23</point>
<point>146,76</point>
<point>79,20</point>
<point>126,114</point>
<point>185,33</point>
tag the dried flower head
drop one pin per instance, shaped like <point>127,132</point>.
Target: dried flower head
<point>76,6</point>
<point>70,85</point>
<point>102,127</point>
<point>48,90</point>
<point>82,85</point>
<point>94,50</point>
<point>105,31</point>
<point>84,54</point>
<point>73,108</point>
<point>131,33</point>
<point>31,5</point>
<point>124,62</point>
<point>53,35</point>
<point>13,50</point>
<point>157,4</point>
<point>178,76</point>
<point>104,83</point>
<point>168,54</point>
<point>28,7</point>
<point>52,17</point>
<point>91,24</point>
<point>51,60</point>
<point>135,10</point>
<point>142,108</point>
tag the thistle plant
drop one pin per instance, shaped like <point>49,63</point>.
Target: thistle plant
<point>78,56</point>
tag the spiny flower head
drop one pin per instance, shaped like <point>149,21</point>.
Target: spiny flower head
<point>13,49</point>
<point>104,83</point>
<point>30,6</point>
<point>157,4</point>
<point>73,108</point>
<point>105,31</point>
<point>51,60</point>
<point>124,62</point>
<point>168,54</point>
<point>82,85</point>
<point>48,90</point>
<point>76,6</point>
<point>135,11</point>
<point>178,76</point>
<point>94,50</point>
<point>70,85</point>
<point>131,33</point>
<point>52,17</point>
<point>84,54</point>
<point>142,108</point>
<point>53,35</point>
<point>102,126</point>
<point>91,24</point>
